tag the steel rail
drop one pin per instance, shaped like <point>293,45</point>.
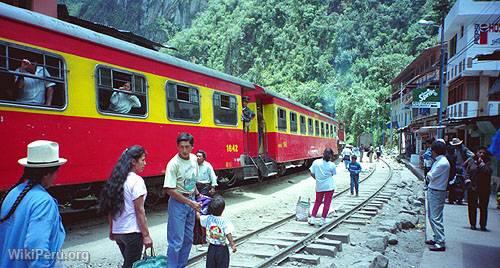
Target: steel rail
<point>241,239</point>
<point>299,245</point>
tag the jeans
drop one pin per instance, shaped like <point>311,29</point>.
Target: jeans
<point>347,162</point>
<point>179,233</point>
<point>217,256</point>
<point>130,246</point>
<point>328,195</point>
<point>475,200</point>
<point>435,200</point>
<point>355,183</point>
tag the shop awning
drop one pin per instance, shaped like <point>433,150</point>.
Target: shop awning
<point>427,129</point>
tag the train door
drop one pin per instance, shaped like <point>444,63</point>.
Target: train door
<point>261,128</point>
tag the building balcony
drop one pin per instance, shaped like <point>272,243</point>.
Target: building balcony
<point>462,109</point>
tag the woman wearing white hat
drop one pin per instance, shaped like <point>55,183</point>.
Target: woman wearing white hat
<point>31,231</point>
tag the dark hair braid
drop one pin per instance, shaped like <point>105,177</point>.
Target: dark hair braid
<point>111,200</point>
<point>33,176</point>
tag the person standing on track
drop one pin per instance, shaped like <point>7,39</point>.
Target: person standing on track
<point>354,170</point>
<point>346,155</point>
<point>122,199</point>
<point>180,185</point>
<point>31,230</point>
<point>323,170</point>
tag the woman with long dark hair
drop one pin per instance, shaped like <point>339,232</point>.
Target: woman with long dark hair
<point>322,170</point>
<point>122,199</point>
<point>31,231</point>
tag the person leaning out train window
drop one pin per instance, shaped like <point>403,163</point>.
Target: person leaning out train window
<point>122,199</point>
<point>247,114</point>
<point>34,90</point>
<point>29,216</point>
<point>121,102</point>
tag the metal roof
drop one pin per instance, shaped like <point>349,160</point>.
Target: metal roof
<point>50,23</point>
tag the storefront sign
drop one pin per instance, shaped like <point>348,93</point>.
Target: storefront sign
<point>425,98</point>
<point>486,34</point>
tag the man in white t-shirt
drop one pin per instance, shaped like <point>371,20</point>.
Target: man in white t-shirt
<point>121,102</point>
<point>180,185</point>
<point>32,90</point>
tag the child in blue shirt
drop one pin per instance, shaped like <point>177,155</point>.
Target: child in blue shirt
<point>218,229</point>
<point>354,169</point>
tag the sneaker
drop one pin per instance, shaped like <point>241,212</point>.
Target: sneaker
<point>437,247</point>
<point>430,242</point>
<point>311,221</point>
<point>321,221</point>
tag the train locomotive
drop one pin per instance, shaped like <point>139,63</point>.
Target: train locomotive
<point>85,68</point>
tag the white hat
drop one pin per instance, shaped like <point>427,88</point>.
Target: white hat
<point>456,141</point>
<point>42,154</point>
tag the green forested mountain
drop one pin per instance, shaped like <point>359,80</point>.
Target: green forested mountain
<point>336,56</point>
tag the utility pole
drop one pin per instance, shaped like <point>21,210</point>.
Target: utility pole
<point>443,7</point>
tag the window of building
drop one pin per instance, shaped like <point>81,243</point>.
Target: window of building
<point>121,92</point>
<point>316,127</point>
<point>303,129</point>
<point>183,102</point>
<point>466,112</point>
<point>31,77</point>
<point>281,119</point>
<point>293,122</point>
<point>225,109</point>
<point>310,128</point>
<point>460,110</point>
<point>453,46</point>
<point>472,90</point>
<point>461,31</point>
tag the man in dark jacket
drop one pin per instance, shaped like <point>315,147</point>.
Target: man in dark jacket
<point>479,187</point>
<point>457,187</point>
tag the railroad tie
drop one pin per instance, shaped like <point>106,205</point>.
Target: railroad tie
<point>356,221</point>
<point>343,237</point>
<point>328,242</point>
<point>279,243</point>
<point>321,249</point>
<point>309,259</point>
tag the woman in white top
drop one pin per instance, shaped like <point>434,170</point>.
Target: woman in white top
<point>122,199</point>
<point>323,170</point>
<point>122,102</point>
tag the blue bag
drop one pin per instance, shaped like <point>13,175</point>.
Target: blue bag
<point>151,261</point>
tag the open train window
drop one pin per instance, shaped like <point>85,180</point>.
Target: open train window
<point>31,77</point>
<point>327,130</point>
<point>281,119</point>
<point>121,92</point>
<point>183,102</point>
<point>331,132</point>
<point>335,130</point>
<point>316,127</point>
<point>322,129</point>
<point>225,109</point>
<point>310,127</point>
<point>303,125</point>
<point>293,122</point>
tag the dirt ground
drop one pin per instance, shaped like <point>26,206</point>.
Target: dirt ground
<point>249,208</point>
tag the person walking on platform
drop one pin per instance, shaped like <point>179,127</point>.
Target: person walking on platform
<point>370,153</point>
<point>346,155</point>
<point>436,194</point>
<point>122,199</point>
<point>323,170</point>
<point>31,230</point>
<point>361,152</point>
<point>180,185</point>
<point>354,170</point>
<point>479,187</point>
<point>457,184</point>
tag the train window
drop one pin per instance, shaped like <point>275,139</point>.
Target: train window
<point>327,134</point>
<point>183,102</point>
<point>303,125</point>
<point>335,130</point>
<point>31,77</point>
<point>225,109</point>
<point>281,119</point>
<point>121,92</point>
<point>293,122</point>
<point>322,129</point>
<point>316,127</point>
<point>331,131</point>
<point>310,128</point>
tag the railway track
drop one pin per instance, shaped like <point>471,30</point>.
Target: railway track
<point>287,240</point>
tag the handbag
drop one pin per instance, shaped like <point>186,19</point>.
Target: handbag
<point>151,261</point>
<point>302,210</point>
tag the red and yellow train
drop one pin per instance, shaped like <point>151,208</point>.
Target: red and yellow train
<point>85,68</point>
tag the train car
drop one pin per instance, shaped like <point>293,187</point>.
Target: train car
<point>85,70</point>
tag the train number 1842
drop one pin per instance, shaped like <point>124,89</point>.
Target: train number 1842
<point>232,148</point>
